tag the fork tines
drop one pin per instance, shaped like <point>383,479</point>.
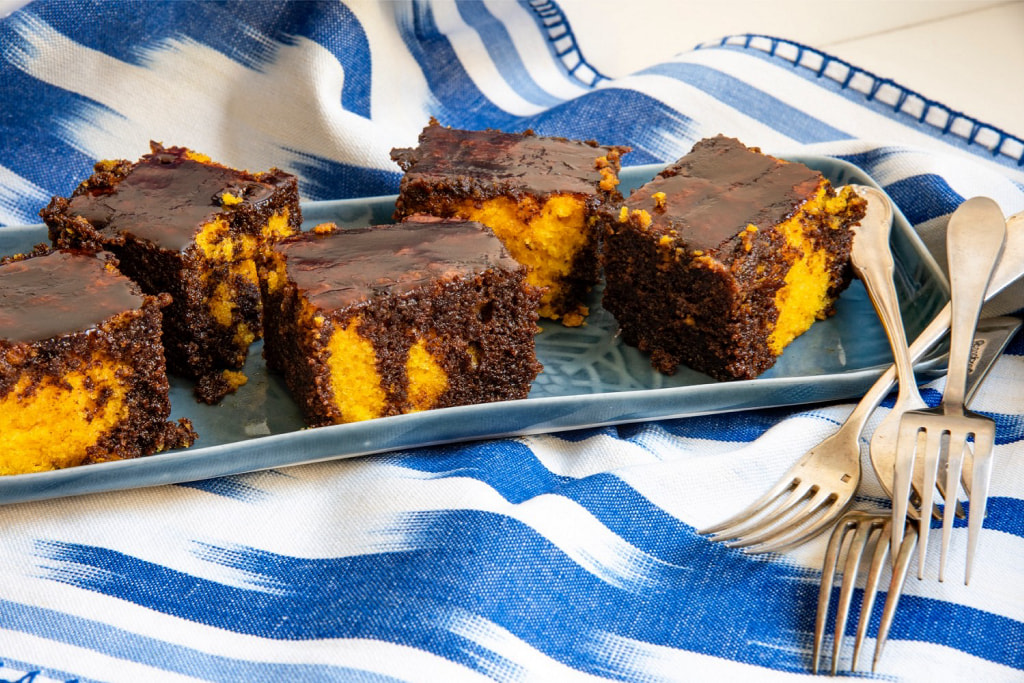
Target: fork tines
<point>928,435</point>
<point>866,531</point>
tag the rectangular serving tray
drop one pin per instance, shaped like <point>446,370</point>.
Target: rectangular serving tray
<point>590,377</point>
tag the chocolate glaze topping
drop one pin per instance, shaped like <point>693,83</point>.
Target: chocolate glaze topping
<point>511,161</point>
<point>166,197</point>
<point>60,293</point>
<point>719,188</point>
<point>338,269</point>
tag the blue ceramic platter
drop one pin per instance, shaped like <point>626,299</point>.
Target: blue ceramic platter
<point>590,378</point>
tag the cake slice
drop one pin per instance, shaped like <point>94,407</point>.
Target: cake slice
<point>379,321</point>
<point>82,371</point>
<point>542,197</point>
<point>727,256</point>
<point>184,225</point>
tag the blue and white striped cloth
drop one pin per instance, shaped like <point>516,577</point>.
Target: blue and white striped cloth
<point>563,557</point>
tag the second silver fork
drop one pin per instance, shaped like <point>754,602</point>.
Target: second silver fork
<point>867,531</point>
<point>975,237</point>
<point>883,450</point>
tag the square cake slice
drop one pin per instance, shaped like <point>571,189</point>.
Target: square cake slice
<point>82,371</point>
<point>542,197</point>
<point>184,225</point>
<point>379,321</point>
<point>727,256</point>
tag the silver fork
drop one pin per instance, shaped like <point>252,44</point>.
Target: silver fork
<point>992,337</point>
<point>820,486</point>
<point>974,237</point>
<point>862,526</point>
<point>1009,270</point>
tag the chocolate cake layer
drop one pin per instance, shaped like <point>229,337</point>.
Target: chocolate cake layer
<point>542,197</point>
<point>82,371</point>
<point>380,321</point>
<point>189,227</point>
<point>725,257</point>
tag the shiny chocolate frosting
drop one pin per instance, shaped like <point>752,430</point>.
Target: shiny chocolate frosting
<point>60,293</point>
<point>167,196</point>
<point>509,162</point>
<point>721,187</point>
<point>340,268</point>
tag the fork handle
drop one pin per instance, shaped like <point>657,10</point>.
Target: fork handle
<point>872,260</point>
<point>1009,269</point>
<point>974,242</point>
